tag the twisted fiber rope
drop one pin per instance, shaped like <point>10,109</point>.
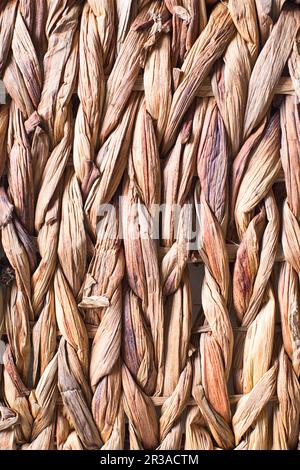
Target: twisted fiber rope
<point>100,330</point>
<point>215,348</point>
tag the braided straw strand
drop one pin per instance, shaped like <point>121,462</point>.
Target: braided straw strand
<point>149,226</point>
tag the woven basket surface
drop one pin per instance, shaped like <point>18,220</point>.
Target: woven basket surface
<point>149,224</point>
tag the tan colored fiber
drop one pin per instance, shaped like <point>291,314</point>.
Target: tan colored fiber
<point>149,225</point>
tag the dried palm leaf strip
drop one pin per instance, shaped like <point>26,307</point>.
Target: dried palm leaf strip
<point>54,109</point>
<point>148,26</point>
<point>215,348</point>
<point>294,65</point>
<point>91,92</point>
<point>188,20</point>
<point>56,296</point>
<point>17,306</point>
<point>159,401</point>
<point>7,22</point>
<point>101,294</point>
<point>101,299</point>
<point>286,425</point>
<point>43,402</point>
<point>178,310</point>
<point>25,93</point>
<point>269,66</point>
<point>284,86</point>
<point>289,277</point>
<point>124,9</point>
<point>94,301</point>
<point>286,413</point>
<point>127,11</point>
<point>96,52</point>
<point>4,117</point>
<point>208,48</point>
<point>171,413</point>
<point>178,172</point>
<point>231,78</point>
<point>73,355</point>
<point>157,81</point>
<point>9,419</point>
<point>139,375</point>
<point>267,15</point>
<point>254,302</point>
<point>16,238</point>
<point>144,299</point>
<point>177,25</point>
<point>111,162</point>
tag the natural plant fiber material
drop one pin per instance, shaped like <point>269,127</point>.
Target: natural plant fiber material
<point>123,327</point>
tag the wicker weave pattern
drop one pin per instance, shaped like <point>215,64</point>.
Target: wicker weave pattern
<point>109,109</point>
